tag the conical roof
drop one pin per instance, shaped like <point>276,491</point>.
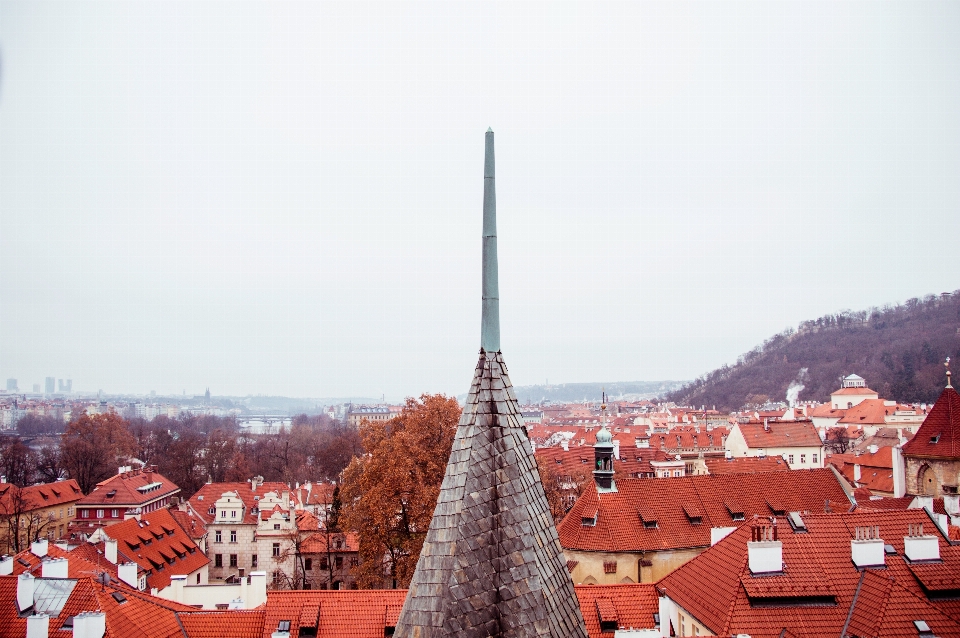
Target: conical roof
<point>491,564</point>
<point>939,435</point>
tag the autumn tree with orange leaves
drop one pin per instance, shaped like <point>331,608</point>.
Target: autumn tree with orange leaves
<point>390,492</point>
<point>93,447</point>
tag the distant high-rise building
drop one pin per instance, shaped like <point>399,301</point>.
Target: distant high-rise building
<point>67,386</point>
<point>51,385</point>
<point>11,385</point>
<point>208,396</point>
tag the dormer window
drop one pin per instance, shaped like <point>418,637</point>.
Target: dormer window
<point>935,438</point>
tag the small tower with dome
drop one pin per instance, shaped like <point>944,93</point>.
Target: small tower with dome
<point>603,454</point>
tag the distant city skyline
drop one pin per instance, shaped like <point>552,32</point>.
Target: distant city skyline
<point>284,199</point>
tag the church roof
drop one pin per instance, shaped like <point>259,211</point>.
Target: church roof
<point>491,564</point>
<point>939,436</point>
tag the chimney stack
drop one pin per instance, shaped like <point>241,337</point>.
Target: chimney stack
<point>917,546</point>
<point>25,589</point>
<point>866,549</point>
<point>127,572</point>
<point>110,550</point>
<point>39,548</point>
<point>6,565</point>
<point>765,550</point>
<point>38,626</point>
<point>54,568</point>
<point>89,624</point>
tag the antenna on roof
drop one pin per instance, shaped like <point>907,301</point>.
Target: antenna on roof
<point>947,364</point>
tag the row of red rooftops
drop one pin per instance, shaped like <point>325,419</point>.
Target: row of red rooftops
<point>871,571</point>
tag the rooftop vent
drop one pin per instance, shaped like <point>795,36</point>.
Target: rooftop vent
<point>796,522</point>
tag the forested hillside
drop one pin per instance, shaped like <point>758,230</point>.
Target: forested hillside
<point>899,350</point>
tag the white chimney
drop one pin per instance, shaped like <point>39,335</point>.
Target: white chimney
<point>110,550</point>
<point>177,583</point>
<point>127,572</point>
<point>717,534</point>
<point>856,472</point>
<point>89,624</point>
<point>38,626</point>
<point>39,548</point>
<point>765,551</point>
<point>257,591</point>
<point>866,550</point>
<point>899,473</point>
<point>565,444</point>
<point>616,449</point>
<point>951,504</point>
<point>6,565</point>
<point>874,449</point>
<point>54,568</point>
<point>918,546</point>
<point>25,588</point>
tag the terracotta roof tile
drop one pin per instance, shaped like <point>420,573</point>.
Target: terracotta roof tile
<point>235,623</point>
<point>820,586</point>
<point>124,490</point>
<point>648,514</point>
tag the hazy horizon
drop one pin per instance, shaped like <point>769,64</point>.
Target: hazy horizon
<point>285,198</point>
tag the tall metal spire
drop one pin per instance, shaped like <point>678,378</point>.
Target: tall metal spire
<point>490,319</point>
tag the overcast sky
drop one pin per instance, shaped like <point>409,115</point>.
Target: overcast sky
<point>285,198</point>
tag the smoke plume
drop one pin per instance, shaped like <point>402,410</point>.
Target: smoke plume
<point>793,390</point>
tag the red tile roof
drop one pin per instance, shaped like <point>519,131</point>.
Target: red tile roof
<point>235,623</point>
<point>746,464</point>
<point>627,605</point>
<point>40,496</point>
<point>854,391</point>
<point>623,516</point>
<point>191,523</point>
<point>868,412</point>
<point>342,614</point>
<point>203,501</point>
<point>939,436</point>
<point>130,613</point>
<point>158,545</point>
<point>780,434</point>
<point>819,587</point>
<point>127,490</point>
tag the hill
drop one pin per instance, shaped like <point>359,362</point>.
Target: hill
<point>899,350</point>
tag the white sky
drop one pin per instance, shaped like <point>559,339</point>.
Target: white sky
<point>285,198</point>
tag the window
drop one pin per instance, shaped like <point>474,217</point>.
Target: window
<point>308,564</point>
<point>84,513</point>
<point>69,511</point>
<point>218,560</point>
<point>610,567</point>
<point>217,536</point>
<point>790,459</point>
<point>814,458</point>
<point>338,562</point>
<point>323,563</point>
<point>354,561</point>
<point>211,511</point>
<point>276,526</point>
<point>233,513</point>
<point>253,561</point>
<point>233,536</point>
<point>223,513</point>
<point>115,513</point>
<point>99,513</point>
<point>803,458</point>
<point>198,579</point>
<point>276,550</point>
<point>676,473</point>
<point>233,560</point>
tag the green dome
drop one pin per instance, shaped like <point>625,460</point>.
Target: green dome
<point>604,436</point>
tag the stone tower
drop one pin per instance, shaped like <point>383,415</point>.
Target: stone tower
<point>491,564</point>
